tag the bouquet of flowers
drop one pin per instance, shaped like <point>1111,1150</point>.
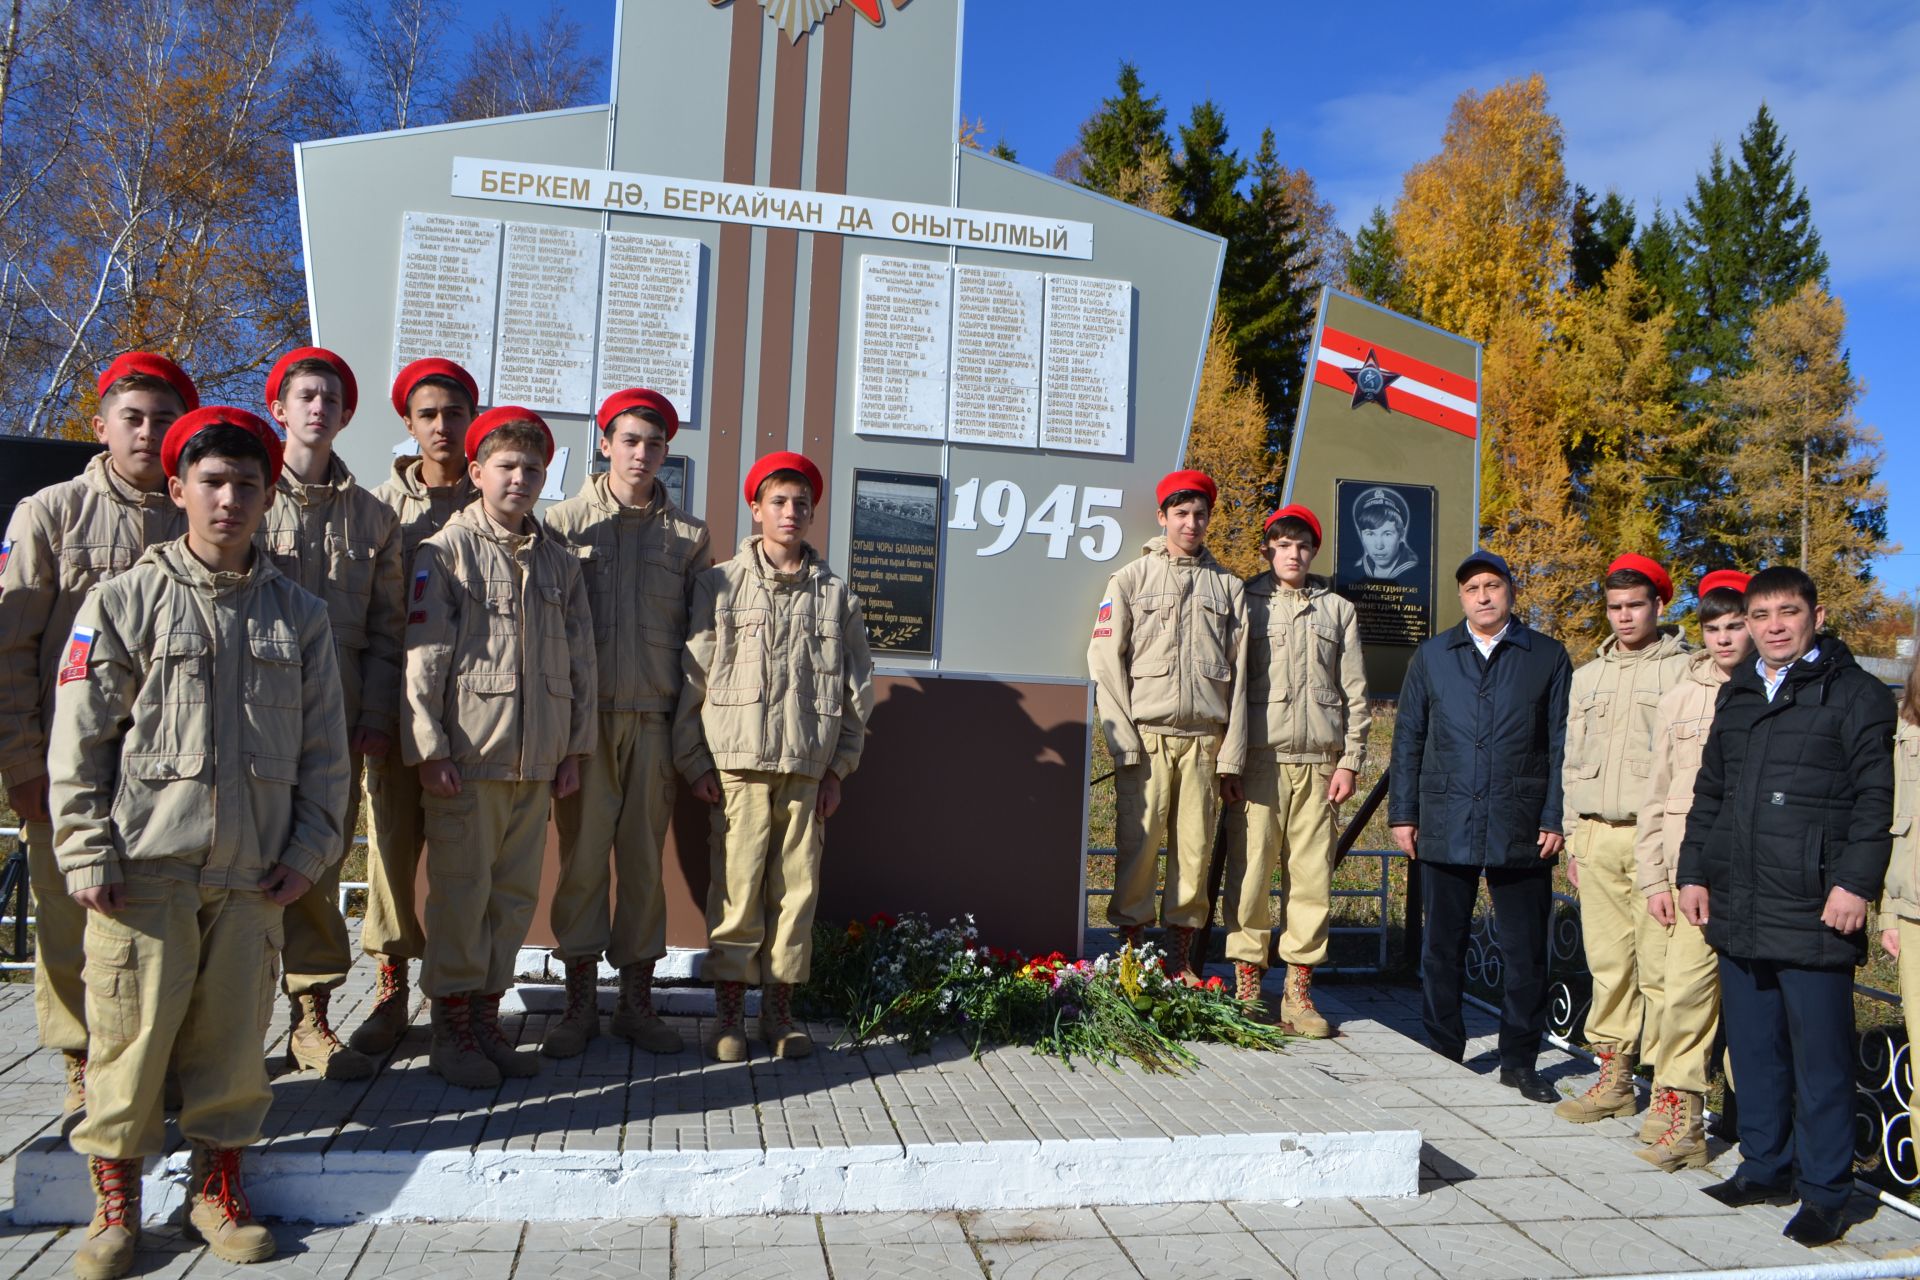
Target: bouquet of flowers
<point>902,977</point>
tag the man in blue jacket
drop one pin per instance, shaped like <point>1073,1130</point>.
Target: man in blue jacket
<point>1786,847</point>
<point>1476,790</point>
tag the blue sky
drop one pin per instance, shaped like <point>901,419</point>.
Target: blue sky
<point>1357,95</point>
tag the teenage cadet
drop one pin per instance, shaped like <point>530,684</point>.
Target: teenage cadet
<point>779,687</point>
<point>1786,850</point>
<point>342,544</point>
<point>1678,978</point>
<point>1900,903</point>
<point>1610,722</point>
<point>1169,661</point>
<point>62,542</point>
<point>199,768</point>
<point>500,711</point>
<point>436,400</point>
<point>639,554</point>
<point>1307,723</point>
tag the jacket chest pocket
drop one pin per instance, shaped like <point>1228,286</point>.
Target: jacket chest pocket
<point>273,692</point>
<point>1689,745</point>
<point>824,647</point>
<point>1646,715</point>
<point>496,600</point>
<point>350,567</point>
<point>551,603</point>
<point>742,635</point>
<point>1907,755</point>
<point>180,659</point>
<point>1214,615</point>
<point>85,567</point>
<point>1153,641</point>
<point>663,574</point>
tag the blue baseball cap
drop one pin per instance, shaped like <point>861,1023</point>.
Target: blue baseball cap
<point>1482,560</point>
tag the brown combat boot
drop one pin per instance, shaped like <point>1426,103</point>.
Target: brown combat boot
<point>1246,985</point>
<point>1610,1095</point>
<point>634,1018</point>
<point>729,1042</point>
<point>513,1064</point>
<point>114,1233</point>
<point>75,1067</point>
<point>1654,1123</point>
<point>776,1022</point>
<point>312,1045</point>
<point>456,1056</point>
<point>386,1022</point>
<point>568,1037</point>
<point>1297,1013</point>
<point>1683,1145</point>
<point>217,1208</point>
<point>1179,943</point>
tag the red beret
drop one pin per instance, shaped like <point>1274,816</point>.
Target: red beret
<point>1662,582</point>
<point>1181,481</point>
<point>152,366</point>
<point>785,462</point>
<point>408,378</point>
<point>349,389</point>
<point>638,398</point>
<point>1297,512</point>
<point>1732,579</point>
<point>192,423</point>
<point>500,417</point>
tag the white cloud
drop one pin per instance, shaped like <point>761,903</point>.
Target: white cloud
<point>1644,95</point>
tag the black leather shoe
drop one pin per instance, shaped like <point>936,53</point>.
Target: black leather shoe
<point>1814,1226</point>
<point>1738,1192</point>
<point>1529,1084</point>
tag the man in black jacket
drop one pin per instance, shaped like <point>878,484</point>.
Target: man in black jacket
<point>1476,789</point>
<point>1786,846</point>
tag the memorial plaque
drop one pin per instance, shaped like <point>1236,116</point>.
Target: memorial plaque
<point>905,327</point>
<point>444,301</point>
<point>894,558</point>
<point>1383,559</point>
<point>650,317</point>
<point>549,298</point>
<point>1086,362</point>
<point>995,395</point>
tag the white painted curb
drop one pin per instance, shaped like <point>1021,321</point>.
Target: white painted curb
<point>50,1182</point>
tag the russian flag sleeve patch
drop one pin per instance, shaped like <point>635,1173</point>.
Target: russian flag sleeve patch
<point>79,652</point>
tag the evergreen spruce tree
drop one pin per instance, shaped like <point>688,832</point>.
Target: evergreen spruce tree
<point>1121,137</point>
<point>1601,233</point>
<point>1374,270</point>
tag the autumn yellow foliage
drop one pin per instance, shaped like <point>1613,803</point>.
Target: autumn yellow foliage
<point>1482,226</point>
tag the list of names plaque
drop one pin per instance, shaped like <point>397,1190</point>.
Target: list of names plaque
<point>905,325</point>
<point>444,303</point>
<point>995,397</point>
<point>650,317</point>
<point>549,300</point>
<point>1084,385</point>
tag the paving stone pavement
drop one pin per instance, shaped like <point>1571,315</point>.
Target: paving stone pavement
<point>1505,1191</point>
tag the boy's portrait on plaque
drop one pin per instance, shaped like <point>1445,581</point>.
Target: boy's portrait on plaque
<point>1383,558</point>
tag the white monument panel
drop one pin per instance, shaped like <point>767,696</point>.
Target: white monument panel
<point>905,328</point>
<point>444,300</point>
<point>650,317</point>
<point>1086,362</point>
<point>996,356</point>
<point>549,300</point>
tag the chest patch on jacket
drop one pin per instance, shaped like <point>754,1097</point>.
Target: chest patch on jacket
<point>79,650</point>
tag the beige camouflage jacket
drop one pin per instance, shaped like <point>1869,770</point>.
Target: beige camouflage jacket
<point>640,564</point>
<point>61,543</point>
<point>1610,723</point>
<point>500,663</point>
<point>1169,654</point>
<point>198,728</point>
<point>1306,683</point>
<point>343,544</point>
<point>1900,900</point>
<point>778,675</point>
<point>1681,721</point>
